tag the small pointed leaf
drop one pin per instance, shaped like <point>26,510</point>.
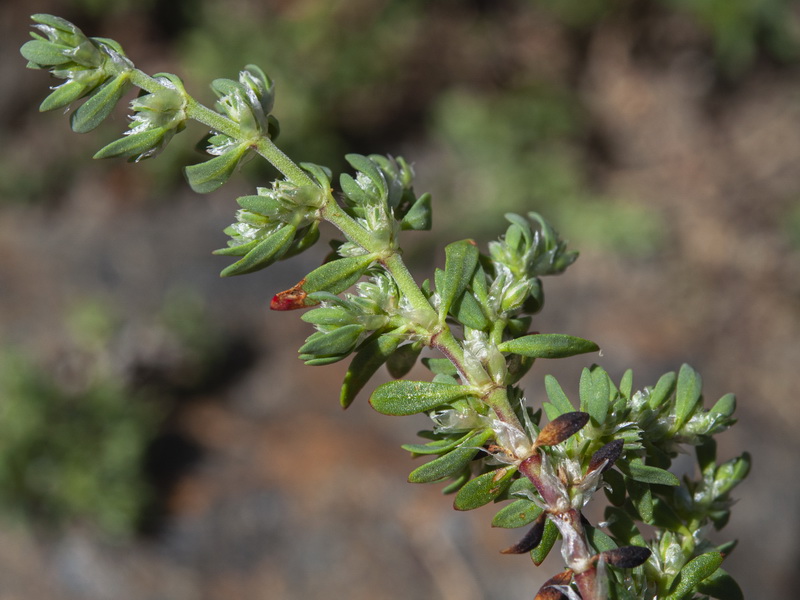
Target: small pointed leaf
<point>132,145</point>
<point>337,275</point>
<point>334,343</point>
<point>207,176</point>
<point>483,489</point>
<point>440,366</point>
<point>556,395</point>
<point>461,258</point>
<point>451,463</point>
<point>418,217</point>
<point>687,394</point>
<point>638,471</point>
<point>720,585</point>
<point>410,397</point>
<point>64,94</point>
<point>695,571</point>
<point>365,363</point>
<point>548,345</point>
<point>516,514</point>
<point>263,254</point>
<point>549,537</point>
<point>42,52</point>
<point>436,446</point>
<point>99,105</point>
<point>663,390</point>
<point>594,393</point>
<point>402,360</point>
<point>368,168</point>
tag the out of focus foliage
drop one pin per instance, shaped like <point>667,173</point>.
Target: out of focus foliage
<point>77,426</point>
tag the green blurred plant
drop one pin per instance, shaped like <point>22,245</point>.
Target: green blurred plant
<point>737,29</point>
<point>486,444</point>
<point>72,447</point>
<point>523,156</point>
<point>77,429</point>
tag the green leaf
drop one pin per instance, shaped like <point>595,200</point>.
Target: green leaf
<point>353,191</point>
<point>594,392</point>
<point>411,397</point>
<point>99,105</point>
<point>706,452</point>
<point>321,174</point>
<point>436,446</point>
<point>207,176</point>
<point>549,538</point>
<point>262,205</point>
<point>725,405</point>
<point>638,471</point>
<point>687,395</point>
<point>419,216</point>
<point>641,499</point>
<point>720,585</point>
<point>623,527</point>
<point>517,514</point>
<point>599,540</point>
<point>626,384</point>
<point>548,345</point>
<point>458,480</point>
<point>337,275</point>
<point>451,463</point>
<point>365,363</point>
<point>615,490</point>
<point>557,396</point>
<point>484,488</point>
<point>468,311</point>
<point>461,258</point>
<point>664,516</point>
<point>238,249</point>
<point>264,253</point>
<point>695,571</point>
<point>440,366</point>
<point>132,145</point>
<point>44,53</point>
<point>64,94</point>
<point>662,391</point>
<point>329,315</point>
<point>333,343</point>
<point>402,360</point>
<point>370,169</point>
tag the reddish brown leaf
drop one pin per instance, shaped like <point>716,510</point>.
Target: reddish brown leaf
<point>291,299</point>
<point>561,428</point>
<point>547,592</point>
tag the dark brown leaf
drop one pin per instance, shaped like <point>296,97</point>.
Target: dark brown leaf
<point>531,539</point>
<point>610,452</point>
<point>626,557</point>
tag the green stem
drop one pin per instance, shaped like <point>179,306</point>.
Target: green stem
<point>217,122</point>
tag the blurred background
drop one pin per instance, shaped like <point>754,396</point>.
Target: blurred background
<point>159,438</point>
